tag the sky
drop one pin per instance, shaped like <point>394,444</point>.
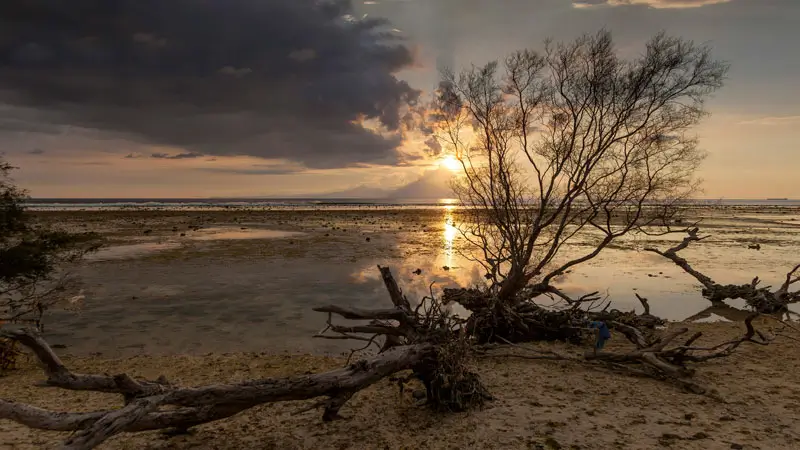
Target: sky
<point>223,98</point>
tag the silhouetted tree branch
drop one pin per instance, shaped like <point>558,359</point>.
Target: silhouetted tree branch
<point>761,299</point>
<point>575,142</point>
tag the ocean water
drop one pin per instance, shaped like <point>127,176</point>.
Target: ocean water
<point>87,204</point>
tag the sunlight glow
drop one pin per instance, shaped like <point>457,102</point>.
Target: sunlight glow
<point>450,233</point>
<point>450,163</point>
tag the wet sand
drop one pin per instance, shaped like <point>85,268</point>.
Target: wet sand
<point>247,280</point>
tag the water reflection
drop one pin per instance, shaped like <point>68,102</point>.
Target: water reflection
<point>222,233</point>
<point>420,272</point>
<point>129,251</point>
<point>262,300</point>
<point>449,234</point>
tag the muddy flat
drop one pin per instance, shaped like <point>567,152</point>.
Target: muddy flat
<point>224,296</point>
<point>195,282</point>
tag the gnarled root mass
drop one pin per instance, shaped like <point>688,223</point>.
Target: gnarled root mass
<point>450,384</point>
<point>761,299</point>
<point>427,341</point>
<point>494,320</point>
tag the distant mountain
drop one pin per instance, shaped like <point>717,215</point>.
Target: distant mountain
<point>433,184</point>
<point>364,192</point>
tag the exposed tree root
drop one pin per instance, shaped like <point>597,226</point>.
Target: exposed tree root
<point>495,320</point>
<point>655,355</point>
<point>450,384</point>
<point>761,299</point>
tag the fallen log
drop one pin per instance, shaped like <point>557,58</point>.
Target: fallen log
<point>425,340</point>
<point>761,299</point>
<point>199,404</point>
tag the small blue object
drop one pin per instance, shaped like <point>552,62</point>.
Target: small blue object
<point>603,335</point>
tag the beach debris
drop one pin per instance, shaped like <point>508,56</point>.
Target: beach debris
<point>445,268</point>
<point>754,246</point>
<point>417,272</point>
<point>368,239</point>
<point>77,299</point>
<point>148,231</point>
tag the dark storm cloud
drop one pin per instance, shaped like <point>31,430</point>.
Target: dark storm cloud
<point>268,78</point>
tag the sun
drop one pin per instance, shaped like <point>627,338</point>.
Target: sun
<point>450,163</point>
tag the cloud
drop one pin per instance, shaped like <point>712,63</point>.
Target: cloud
<point>660,4</point>
<point>36,151</point>
<point>92,163</point>
<point>257,169</point>
<point>267,78</point>
<point>189,155</point>
<point>772,121</point>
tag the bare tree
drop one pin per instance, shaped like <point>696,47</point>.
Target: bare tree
<point>574,142</point>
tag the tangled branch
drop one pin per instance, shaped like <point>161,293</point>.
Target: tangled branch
<point>761,299</point>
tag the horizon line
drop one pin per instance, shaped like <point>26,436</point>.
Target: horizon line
<point>324,197</point>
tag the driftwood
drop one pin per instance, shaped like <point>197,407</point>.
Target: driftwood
<point>195,405</point>
<point>450,384</point>
<point>761,299</point>
<point>654,356</point>
<point>426,342</point>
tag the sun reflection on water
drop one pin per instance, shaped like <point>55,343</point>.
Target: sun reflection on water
<point>450,233</point>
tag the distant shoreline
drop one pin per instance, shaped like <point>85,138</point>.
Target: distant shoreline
<point>55,204</point>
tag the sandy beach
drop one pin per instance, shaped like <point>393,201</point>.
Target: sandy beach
<point>539,404</point>
<point>231,300</point>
